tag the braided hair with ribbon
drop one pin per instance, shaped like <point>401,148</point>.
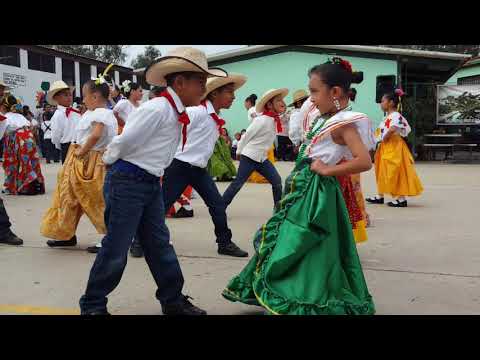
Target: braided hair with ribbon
<point>396,96</point>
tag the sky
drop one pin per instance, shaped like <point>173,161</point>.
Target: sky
<point>134,50</point>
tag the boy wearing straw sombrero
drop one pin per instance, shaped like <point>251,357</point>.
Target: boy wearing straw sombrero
<point>253,147</point>
<point>135,207</point>
<point>65,119</point>
<point>190,164</point>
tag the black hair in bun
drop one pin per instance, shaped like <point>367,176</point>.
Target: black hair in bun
<point>252,99</point>
<point>357,77</point>
<point>337,72</point>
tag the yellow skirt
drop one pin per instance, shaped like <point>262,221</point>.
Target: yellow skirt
<point>394,169</point>
<point>79,191</point>
<point>256,177</point>
<point>360,230</point>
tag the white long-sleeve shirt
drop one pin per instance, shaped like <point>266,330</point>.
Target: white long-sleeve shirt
<point>47,129</point>
<point>258,139</point>
<point>151,136</point>
<point>202,134</point>
<point>63,128</point>
<point>295,131</point>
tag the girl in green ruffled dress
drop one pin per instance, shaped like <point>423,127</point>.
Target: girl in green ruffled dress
<point>306,261</point>
<point>220,166</point>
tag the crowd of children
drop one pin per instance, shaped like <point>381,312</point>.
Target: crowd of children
<point>125,164</point>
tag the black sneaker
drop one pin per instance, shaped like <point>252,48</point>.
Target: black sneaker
<point>136,251</point>
<point>397,203</point>
<point>231,250</point>
<point>184,307</point>
<point>93,249</point>
<point>11,239</point>
<point>183,213</point>
<point>375,200</point>
<point>95,312</point>
<point>60,243</point>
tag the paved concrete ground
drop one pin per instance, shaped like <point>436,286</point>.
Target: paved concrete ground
<point>421,260</point>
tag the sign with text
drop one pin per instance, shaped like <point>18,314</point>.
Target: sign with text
<point>14,81</point>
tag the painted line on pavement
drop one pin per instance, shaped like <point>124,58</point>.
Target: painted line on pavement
<point>36,310</point>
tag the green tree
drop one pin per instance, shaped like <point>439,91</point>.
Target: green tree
<point>107,53</point>
<point>143,60</point>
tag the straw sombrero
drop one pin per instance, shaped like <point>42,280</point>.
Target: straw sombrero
<point>55,88</point>
<point>214,83</point>
<point>269,95</point>
<point>180,59</point>
<point>298,95</point>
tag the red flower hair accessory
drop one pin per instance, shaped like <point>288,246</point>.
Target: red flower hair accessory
<point>399,92</point>
<point>343,63</point>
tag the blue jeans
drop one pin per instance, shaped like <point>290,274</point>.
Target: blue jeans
<point>135,205</point>
<point>181,174</point>
<point>106,191</point>
<point>246,168</point>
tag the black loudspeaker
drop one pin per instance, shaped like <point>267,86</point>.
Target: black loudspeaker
<point>385,84</point>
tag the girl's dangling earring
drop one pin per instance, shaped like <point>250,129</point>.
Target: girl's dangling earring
<point>336,103</point>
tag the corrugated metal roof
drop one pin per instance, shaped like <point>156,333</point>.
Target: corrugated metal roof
<point>79,56</point>
<point>355,48</point>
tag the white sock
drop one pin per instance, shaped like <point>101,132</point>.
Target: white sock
<point>401,199</point>
<point>187,207</point>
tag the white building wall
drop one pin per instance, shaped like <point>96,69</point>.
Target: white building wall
<point>24,82</point>
<point>58,67</point>
<point>93,71</point>
<point>77,79</point>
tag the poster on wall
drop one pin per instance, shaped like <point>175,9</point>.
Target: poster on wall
<point>458,104</point>
<point>14,80</point>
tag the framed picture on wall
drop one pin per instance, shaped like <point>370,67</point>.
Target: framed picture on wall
<point>458,104</point>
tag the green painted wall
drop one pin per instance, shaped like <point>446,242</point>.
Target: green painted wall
<point>464,72</point>
<point>290,70</point>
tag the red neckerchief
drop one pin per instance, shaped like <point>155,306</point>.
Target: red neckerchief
<point>2,117</point>
<point>276,118</point>
<point>182,118</point>
<point>220,122</point>
<point>387,123</point>
<point>69,110</point>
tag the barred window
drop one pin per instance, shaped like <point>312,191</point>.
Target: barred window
<point>85,73</point>
<point>469,80</point>
<point>41,62</point>
<point>68,71</point>
<point>10,55</point>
